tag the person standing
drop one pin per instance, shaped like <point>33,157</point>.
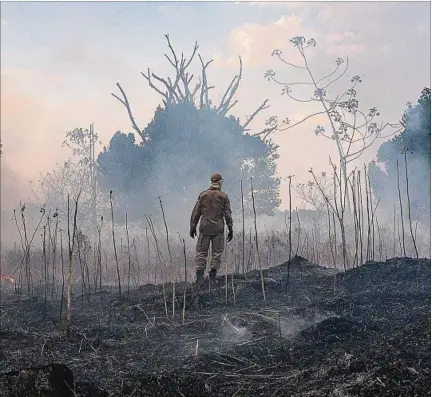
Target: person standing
<point>211,209</point>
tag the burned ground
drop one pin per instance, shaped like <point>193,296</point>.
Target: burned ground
<point>360,333</point>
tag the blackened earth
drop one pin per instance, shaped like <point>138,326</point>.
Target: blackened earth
<point>365,332</point>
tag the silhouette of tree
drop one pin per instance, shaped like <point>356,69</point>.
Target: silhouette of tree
<point>188,139</point>
<point>184,146</point>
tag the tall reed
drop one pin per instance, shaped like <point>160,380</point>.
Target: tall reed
<point>256,242</point>
<point>114,245</point>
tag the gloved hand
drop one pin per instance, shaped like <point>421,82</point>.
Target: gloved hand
<point>230,235</point>
<point>193,232</point>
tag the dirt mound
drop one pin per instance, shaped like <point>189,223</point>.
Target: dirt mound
<point>360,333</point>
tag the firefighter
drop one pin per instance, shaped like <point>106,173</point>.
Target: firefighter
<point>212,206</point>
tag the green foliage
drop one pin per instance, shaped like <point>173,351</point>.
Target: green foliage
<point>416,140</point>
<point>185,146</point>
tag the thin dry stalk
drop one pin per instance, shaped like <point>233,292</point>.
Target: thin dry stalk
<point>256,242</point>
<point>52,248</point>
<point>44,267</point>
<point>372,216</point>
<point>409,205</point>
<point>226,270</point>
<point>171,267</point>
<point>373,212</point>
<point>26,243</point>
<point>337,210</point>
<point>55,248</point>
<point>399,236</point>
<point>243,228</point>
<point>148,256</point>
<point>250,250</point>
<point>27,250</point>
<point>160,261</point>
<point>129,255</point>
<point>71,245</point>
<point>380,247</point>
<point>356,237</point>
<point>289,233</point>
<point>137,261</point>
<point>185,278</point>
<point>342,199</point>
<point>401,209</point>
<point>331,247</point>
<point>62,271</point>
<point>369,230</point>
<point>99,248</point>
<point>114,245</point>
<point>96,268</point>
<point>335,234</point>
<point>83,286</point>
<point>394,230</point>
<point>233,289</point>
<point>361,217</point>
<point>299,233</point>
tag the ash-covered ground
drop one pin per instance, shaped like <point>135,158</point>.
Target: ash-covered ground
<point>362,333</point>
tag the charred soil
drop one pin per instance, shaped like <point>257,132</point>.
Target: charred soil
<point>365,332</point>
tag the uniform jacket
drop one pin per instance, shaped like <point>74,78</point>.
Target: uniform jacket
<point>212,206</point>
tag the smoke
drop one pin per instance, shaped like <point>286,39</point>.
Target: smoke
<point>234,333</point>
<point>291,325</point>
<point>407,156</point>
<point>12,191</point>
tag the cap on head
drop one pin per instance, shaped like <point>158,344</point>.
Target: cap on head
<point>216,177</point>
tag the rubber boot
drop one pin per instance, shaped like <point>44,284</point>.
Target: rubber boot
<point>199,276</point>
<point>212,278</point>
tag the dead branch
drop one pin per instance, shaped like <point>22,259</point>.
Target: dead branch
<point>301,121</point>
<point>175,63</point>
<point>172,92</point>
<point>148,78</point>
<point>266,132</point>
<point>204,88</point>
<point>125,102</point>
<point>249,119</point>
<point>226,93</point>
<point>225,103</point>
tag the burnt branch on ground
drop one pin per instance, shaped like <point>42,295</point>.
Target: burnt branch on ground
<point>369,336</point>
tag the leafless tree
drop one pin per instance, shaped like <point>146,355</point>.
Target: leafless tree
<point>311,194</point>
<point>352,129</point>
<point>184,89</point>
<point>72,176</point>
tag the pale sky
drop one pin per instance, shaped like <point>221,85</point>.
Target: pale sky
<point>61,60</point>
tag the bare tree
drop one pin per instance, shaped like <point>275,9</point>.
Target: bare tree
<point>337,203</point>
<point>352,129</point>
<point>311,194</point>
<point>73,176</point>
<point>183,89</point>
<point>83,144</point>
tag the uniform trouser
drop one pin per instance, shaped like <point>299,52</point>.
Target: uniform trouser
<point>202,247</point>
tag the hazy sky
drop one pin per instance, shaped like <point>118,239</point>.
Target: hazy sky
<point>61,60</point>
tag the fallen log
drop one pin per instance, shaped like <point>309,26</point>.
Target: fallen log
<point>52,380</point>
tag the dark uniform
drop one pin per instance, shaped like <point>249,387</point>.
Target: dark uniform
<point>212,207</point>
